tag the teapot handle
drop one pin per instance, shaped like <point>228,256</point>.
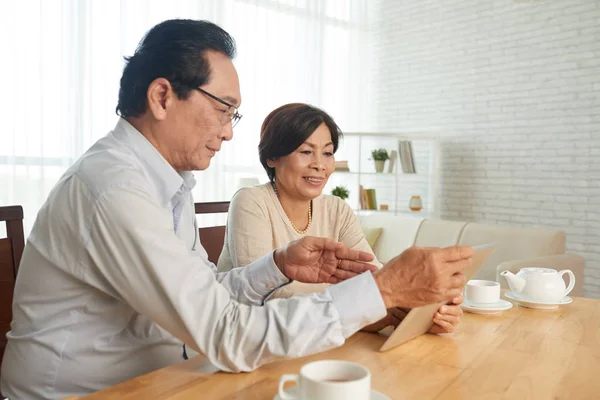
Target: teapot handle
<point>571,279</point>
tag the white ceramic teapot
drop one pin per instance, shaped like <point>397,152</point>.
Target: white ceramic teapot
<point>539,284</point>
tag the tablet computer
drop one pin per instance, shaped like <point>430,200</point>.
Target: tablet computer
<point>420,319</point>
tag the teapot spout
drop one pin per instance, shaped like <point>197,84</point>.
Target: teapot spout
<point>516,283</point>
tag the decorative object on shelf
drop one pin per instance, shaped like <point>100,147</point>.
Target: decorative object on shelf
<point>406,156</point>
<point>384,207</point>
<point>415,203</point>
<point>380,156</point>
<point>341,192</point>
<point>342,166</point>
<point>392,163</point>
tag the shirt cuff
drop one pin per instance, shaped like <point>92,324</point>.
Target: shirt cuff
<point>358,302</point>
<point>264,277</point>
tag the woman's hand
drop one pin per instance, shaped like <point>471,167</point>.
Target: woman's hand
<point>445,319</point>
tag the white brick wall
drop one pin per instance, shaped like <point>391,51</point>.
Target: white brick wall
<point>514,87</point>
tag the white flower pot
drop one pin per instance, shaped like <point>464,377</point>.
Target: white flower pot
<point>379,164</point>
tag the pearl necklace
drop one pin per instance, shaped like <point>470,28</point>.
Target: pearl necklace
<point>294,226</point>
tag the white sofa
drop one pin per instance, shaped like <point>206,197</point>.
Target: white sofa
<point>516,247</point>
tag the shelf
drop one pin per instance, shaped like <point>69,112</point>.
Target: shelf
<point>366,173</point>
<point>422,213</point>
<point>393,188</point>
<point>379,173</point>
<point>363,211</point>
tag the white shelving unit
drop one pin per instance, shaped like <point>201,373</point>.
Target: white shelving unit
<point>392,188</point>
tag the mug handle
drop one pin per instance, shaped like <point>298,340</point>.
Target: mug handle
<point>571,279</point>
<point>282,381</point>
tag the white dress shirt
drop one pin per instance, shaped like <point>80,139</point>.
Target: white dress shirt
<point>113,279</point>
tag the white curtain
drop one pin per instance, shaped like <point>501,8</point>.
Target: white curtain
<point>61,62</point>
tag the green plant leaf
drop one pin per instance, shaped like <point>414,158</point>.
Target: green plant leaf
<point>380,155</point>
<point>341,192</point>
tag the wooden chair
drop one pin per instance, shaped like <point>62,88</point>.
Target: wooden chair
<point>11,249</point>
<point>212,237</point>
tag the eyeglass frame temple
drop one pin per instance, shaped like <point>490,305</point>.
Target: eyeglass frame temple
<point>233,118</point>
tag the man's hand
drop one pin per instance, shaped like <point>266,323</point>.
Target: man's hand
<point>445,319</point>
<point>320,260</point>
<point>421,276</point>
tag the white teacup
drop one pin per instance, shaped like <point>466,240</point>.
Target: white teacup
<point>329,380</point>
<point>482,292</point>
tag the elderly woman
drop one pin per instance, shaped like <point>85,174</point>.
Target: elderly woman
<point>297,148</point>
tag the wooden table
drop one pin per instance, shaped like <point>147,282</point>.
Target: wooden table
<point>519,354</point>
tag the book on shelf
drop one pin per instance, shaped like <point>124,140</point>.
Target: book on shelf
<point>406,156</point>
<point>367,199</point>
<point>370,199</point>
<point>342,166</point>
<point>361,196</point>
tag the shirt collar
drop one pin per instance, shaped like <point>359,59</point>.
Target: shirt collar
<point>160,172</point>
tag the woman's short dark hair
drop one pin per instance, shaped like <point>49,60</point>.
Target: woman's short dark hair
<point>287,127</point>
<point>173,50</point>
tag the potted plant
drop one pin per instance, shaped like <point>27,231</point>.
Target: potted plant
<point>341,192</point>
<point>380,155</point>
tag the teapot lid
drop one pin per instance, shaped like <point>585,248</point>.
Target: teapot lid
<point>539,270</point>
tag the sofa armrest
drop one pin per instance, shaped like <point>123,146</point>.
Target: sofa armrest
<point>558,262</point>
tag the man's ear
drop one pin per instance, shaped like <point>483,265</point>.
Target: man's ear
<point>159,96</point>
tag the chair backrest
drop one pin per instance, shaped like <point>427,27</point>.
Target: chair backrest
<point>212,237</point>
<point>11,249</point>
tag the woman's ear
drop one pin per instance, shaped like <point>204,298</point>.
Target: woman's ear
<point>271,163</point>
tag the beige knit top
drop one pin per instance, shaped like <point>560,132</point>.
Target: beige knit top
<point>257,224</point>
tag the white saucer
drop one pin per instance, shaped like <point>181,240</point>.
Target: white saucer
<point>540,305</point>
<point>375,395</point>
<point>488,308</point>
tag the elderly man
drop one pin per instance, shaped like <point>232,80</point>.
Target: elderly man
<point>113,279</point>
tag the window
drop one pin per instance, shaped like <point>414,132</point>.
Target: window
<point>67,62</point>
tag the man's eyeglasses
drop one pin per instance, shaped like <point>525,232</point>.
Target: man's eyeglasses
<point>231,114</point>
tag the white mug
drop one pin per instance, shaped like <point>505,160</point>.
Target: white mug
<point>329,380</point>
<point>482,292</point>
